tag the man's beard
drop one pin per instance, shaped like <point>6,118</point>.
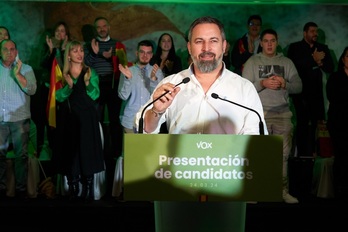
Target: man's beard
<point>207,66</point>
<point>103,34</point>
<point>314,39</point>
<point>142,63</point>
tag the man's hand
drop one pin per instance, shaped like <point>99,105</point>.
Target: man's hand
<point>160,106</point>
<point>153,73</point>
<point>273,82</point>
<point>95,46</point>
<point>19,78</point>
<point>107,54</point>
<point>281,81</point>
<point>125,71</point>
<point>17,68</point>
<point>318,56</point>
<point>164,102</point>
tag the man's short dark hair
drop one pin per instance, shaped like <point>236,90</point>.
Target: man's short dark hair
<point>8,40</point>
<point>100,18</point>
<point>257,17</point>
<point>207,19</point>
<point>308,25</point>
<point>146,43</point>
<point>268,31</point>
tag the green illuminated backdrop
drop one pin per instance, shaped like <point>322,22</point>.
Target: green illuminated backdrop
<point>134,20</point>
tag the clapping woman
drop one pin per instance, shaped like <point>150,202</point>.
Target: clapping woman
<point>78,124</point>
<point>166,57</point>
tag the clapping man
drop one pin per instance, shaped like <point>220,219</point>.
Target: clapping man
<point>17,84</point>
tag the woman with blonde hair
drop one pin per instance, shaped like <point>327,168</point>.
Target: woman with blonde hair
<point>78,125</point>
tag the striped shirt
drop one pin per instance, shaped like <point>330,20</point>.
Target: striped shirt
<point>102,66</point>
<point>15,100</point>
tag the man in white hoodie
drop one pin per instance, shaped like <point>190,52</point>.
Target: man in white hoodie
<point>275,77</point>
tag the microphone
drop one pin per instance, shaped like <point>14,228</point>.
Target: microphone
<point>261,129</point>
<point>141,120</point>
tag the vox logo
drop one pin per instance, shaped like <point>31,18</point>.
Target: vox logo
<point>204,145</point>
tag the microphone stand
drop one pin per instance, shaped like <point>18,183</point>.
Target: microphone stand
<point>261,128</point>
<point>141,120</point>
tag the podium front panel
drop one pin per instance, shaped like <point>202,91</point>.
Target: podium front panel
<point>169,167</point>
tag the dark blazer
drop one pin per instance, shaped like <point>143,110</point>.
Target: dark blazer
<point>240,54</point>
<point>311,75</point>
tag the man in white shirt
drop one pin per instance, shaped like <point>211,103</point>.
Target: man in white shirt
<point>190,108</point>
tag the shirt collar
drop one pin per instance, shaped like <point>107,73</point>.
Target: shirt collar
<point>11,65</point>
<point>104,40</point>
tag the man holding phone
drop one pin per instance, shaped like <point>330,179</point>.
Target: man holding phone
<point>17,84</point>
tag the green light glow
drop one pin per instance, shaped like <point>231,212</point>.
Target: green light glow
<point>239,2</point>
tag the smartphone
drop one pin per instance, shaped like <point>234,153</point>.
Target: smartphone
<point>17,57</point>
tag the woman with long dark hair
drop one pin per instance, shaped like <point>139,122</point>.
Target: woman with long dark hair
<point>165,56</point>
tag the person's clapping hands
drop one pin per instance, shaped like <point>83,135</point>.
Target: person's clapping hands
<point>169,64</point>
<point>95,46</point>
<point>49,43</point>
<point>153,73</point>
<point>125,71</point>
<point>318,56</point>
<point>272,82</point>
<point>281,80</point>
<point>107,54</point>
<point>68,80</point>
<point>87,76</point>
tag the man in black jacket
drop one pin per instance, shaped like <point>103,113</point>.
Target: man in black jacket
<point>311,59</point>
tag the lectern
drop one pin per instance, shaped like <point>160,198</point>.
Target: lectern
<point>201,182</point>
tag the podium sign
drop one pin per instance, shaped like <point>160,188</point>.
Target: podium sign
<point>172,167</point>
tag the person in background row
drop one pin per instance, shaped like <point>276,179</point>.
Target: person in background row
<point>4,33</point>
<point>311,59</point>
<point>275,77</point>
<point>101,55</point>
<point>55,45</point>
<point>336,92</point>
<point>247,45</point>
<point>137,84</point>
<point>17,84</point>
<point>59,40</point>
<point>227,56</point>
<point>165,56</point>
<point>79,132</point>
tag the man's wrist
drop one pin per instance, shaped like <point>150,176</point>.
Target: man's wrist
<point>157,113</point>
